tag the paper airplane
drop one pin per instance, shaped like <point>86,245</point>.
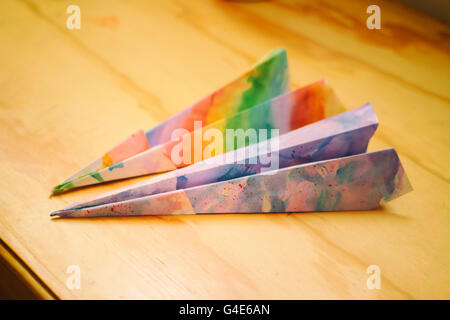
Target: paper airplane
<point>357,182</point>
<point>295,152</point>
<point>342,135</point>
<point>266,80</point>
<point>284,113</point>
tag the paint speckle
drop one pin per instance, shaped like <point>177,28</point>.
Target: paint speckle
<point>115,166</point>
<point>96,176</point>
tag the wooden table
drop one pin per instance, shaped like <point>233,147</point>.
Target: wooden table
<point>68,95</point>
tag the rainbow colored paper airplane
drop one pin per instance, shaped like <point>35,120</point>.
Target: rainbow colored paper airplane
<point>297,151</point>
<point>261,105</point>
<point>266,80</point>
<point>284,113</point>
<point>341,135</point>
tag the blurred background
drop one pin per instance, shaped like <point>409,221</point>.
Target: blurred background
<point>439,9</point>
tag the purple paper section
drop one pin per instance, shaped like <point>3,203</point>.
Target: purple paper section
<point>338,136</point>
<point>358,182</point>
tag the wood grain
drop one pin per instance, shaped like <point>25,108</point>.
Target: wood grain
<point>68,95</point>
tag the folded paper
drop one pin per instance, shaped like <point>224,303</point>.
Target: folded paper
<point>345,134</point>
<point>358,182</point>
<point>266,80</point>
<point>284,113</point>
<point>252,146</point>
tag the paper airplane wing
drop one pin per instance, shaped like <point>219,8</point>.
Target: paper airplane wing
<point>285,113</point>
<point>338,136</point>
<point>358,182</point>
<point>267,79</point>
